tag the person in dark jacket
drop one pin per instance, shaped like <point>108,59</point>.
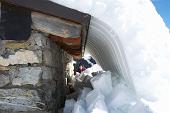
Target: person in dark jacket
<point>83,64</point>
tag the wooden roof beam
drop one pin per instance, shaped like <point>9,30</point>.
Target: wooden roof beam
<point>75,23</point>
<point>55,26</point>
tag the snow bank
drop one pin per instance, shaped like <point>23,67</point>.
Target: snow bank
<point>96,102</point>
<point>129,37</point>
<point>120,100</point>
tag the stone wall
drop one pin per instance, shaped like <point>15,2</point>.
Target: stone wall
<point>31,75</point>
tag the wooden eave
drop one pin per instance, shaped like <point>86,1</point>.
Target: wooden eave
<point>73,45</point>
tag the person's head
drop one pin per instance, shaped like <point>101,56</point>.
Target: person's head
<point>81,67</point>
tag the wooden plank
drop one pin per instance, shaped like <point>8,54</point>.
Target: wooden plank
<point>74,53</point>
<point>68,41</point>
<point>55,26</point>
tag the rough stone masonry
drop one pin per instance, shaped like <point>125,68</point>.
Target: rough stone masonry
<point>31,75</point>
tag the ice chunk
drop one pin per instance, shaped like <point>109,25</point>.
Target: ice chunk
<point>115,79</point>
<point>69,105</point>
<point>99,107</point>
<point>103,82</point>
<point>79,107</point>
<point>98,110</point>
<point>139,107</point>
<point>121,99</point>
<point>114,110</point>
<point>95,102</point>
<point>84,93</point>
<point>93,96</point>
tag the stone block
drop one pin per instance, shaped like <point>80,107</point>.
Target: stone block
<point>47,73</point>
<point>38,40</point>
<point>27,76</point>
<point>20,100</point>
<point>50,58</point>
<point>7,52</point>
<point>2,48</point>
<point>56,73</point>
<point>4,79</point>
<point>16,44</point>
<point>22,57</point>
<point>4,68</point>
<point>48,92</point>
<point>7,111</point>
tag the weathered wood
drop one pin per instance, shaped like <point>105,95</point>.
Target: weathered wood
<point>71,45</point>
<point>68,41</point>
<point>55,26</point>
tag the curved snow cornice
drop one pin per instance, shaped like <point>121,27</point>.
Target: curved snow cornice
<point>129,37</point>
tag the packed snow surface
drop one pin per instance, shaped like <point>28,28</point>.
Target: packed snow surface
<point>105,97</point>
<point>129,37</point>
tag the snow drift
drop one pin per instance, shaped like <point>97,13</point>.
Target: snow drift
<point>130,38</point>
